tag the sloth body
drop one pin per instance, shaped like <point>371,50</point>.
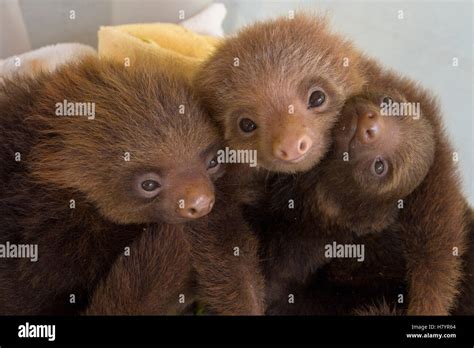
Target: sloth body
<point>84,188</point>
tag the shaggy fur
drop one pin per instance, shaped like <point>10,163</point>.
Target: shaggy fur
<point>339,200</point>
<point>64,158</point>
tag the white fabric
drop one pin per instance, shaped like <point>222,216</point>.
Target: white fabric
<point>46,58</point>
<point>208,21</point>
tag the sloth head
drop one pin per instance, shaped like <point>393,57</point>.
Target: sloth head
<point>383,149</point>
<point>278,86</point>
<point>147,155</point>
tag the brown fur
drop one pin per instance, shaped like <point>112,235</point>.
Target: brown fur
<point>64,158</point>
<point>422,173</point>
<point>159,267</point>
<point>379,309</point>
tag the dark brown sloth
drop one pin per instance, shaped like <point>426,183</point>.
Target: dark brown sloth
<point>91,156</point>
<point>384,173</point>
<point>277,87</point>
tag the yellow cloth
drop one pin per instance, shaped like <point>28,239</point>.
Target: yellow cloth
<point>173,46</point>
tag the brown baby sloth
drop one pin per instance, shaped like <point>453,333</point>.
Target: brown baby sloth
<point>277,88</point>
<point>385,172</point>
<point>91,156</point>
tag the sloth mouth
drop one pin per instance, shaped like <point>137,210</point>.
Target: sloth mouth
<point>290,162</point>
<point>296,160</point>
<point>302,163</point>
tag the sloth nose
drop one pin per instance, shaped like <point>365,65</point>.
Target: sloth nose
<point>292,148</point>
<point>197,204</point>
<point>369,127</point>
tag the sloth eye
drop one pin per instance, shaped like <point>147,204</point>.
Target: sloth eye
<point>213,163</point>
<point>147,184</point>
<point>316,99</point>
<point>379,167</point>
<point>387,100</point>
<point>247,125</point>
<point>150,185</point>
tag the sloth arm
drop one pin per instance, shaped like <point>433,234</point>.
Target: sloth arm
<point>151,279</point>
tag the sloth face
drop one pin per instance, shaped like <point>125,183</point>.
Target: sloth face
<point>175,191</point>
<point>290,126</point>
<point>167,178</point>
<point>388,154</point>
<point>379,157</point>
<point>376,160</point>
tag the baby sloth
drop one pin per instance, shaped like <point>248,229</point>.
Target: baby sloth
<point>277,88</point>
<point>388,169</point>
<point>91,156</point>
